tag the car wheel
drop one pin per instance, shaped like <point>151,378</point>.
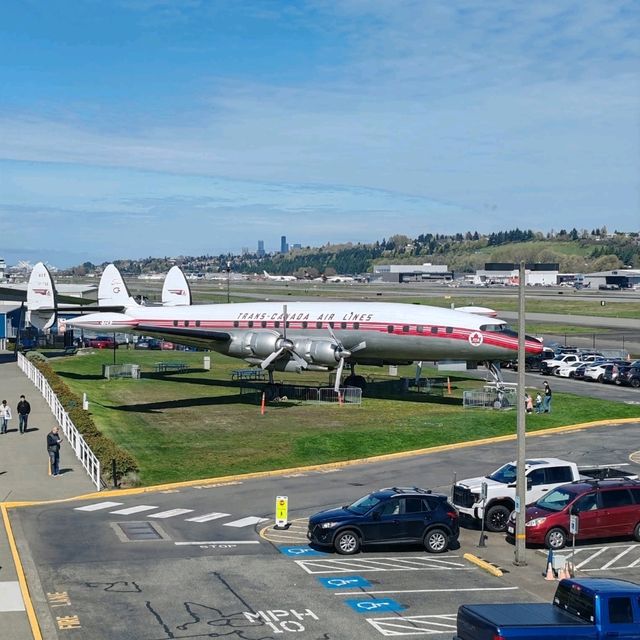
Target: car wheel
<point>497,517</point>
<point>600,378</point>
<point>555,539</point>
<point>635,382</point>
<point>636,533</point>
<point>436,541</point>
<point>347,543</point>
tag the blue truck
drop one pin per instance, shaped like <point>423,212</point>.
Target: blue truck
<point>582,609</point>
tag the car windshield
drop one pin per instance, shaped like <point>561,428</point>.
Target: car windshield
<point>505,474</point>
<point>557,500</point>
<point>364,504</point>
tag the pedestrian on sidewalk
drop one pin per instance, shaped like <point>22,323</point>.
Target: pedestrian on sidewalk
<point>547,398</point>
<point>5,416</point>
<point>24,409</point>
<point>54,440</point>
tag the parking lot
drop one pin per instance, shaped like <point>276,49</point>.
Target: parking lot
<point>206,562</point>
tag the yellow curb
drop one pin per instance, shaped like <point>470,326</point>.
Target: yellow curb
<point>483,564</point>
<point>22,581</point>
<point>321,467</point>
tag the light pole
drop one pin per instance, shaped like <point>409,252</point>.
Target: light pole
<point>228,280</point>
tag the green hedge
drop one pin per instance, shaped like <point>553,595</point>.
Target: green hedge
<point>103,447</point>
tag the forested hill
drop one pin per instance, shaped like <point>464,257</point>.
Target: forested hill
<point>575,251</point>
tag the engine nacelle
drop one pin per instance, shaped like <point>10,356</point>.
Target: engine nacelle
<point>321,352</point>
<point>259,345</point>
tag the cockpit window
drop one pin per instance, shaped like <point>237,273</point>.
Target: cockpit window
<point>502,328</point>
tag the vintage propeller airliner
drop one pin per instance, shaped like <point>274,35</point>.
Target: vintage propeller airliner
<point>298,336</point>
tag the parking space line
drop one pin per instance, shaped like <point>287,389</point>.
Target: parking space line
<point>207,517</point>
<point>377,593</point>
<point>591,557</point>
<point>127,511</point>
<point>415,625</point>
<point>606,566</point>
<point>97,506</point>
<point>378,564</point>
<point>171,513</point>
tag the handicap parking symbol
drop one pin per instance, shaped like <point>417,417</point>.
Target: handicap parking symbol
<point>374,605</point>
<point>298,552</point>
<point>344,582</point>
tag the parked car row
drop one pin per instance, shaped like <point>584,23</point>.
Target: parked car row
<point>607,501</point>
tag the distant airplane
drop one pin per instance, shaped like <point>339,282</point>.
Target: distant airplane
<point>299,336</point>
<point>280,278</point>
<point>481,311</point>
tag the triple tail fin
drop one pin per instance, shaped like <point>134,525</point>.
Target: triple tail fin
<point>112,290</point>
<point>175,290</point>
<point>41,298</point>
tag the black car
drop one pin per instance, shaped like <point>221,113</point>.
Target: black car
<point>630,374</point>
<point>389,516</point>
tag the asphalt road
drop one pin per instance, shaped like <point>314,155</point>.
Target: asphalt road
<point>210,574</point>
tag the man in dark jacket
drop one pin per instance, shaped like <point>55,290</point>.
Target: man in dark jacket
<point>24,409</point>
<point>53,449</point>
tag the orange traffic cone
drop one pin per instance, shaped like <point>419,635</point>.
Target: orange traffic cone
<point>262,405</point>
<point>448,386</point>
<point>562,574</point>
<point>550,575</point>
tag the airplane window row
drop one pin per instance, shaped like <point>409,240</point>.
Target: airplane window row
<point>186,323</point>
<point>419,329</point>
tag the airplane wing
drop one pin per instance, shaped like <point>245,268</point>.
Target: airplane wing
<point>185,335</point>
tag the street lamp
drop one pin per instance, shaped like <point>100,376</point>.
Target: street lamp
<point>228,280</point>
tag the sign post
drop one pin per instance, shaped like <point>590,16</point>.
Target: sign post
<point>282,511</point>
<point>483,497</point>
<point>574,527</point>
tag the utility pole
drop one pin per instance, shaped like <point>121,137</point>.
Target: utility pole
<point>228,281</point>
<point>521,481</point>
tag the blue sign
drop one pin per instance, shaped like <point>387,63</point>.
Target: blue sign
<point>374,605</point>
<point>300,552</point>
<point>344,582</point>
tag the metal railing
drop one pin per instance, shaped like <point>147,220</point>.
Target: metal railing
<point>82,450</point>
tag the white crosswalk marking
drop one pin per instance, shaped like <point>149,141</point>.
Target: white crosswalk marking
<point>170,514</point>
<point>245,522</point>
<point>207,517</point>
<point>98,505</point>
<point>127,511</point>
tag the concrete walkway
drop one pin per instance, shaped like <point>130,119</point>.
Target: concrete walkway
<point>24,476</point>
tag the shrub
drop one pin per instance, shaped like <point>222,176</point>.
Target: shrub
<point>103,447</point>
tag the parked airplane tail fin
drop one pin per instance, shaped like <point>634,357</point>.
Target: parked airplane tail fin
<point>41,298</point>
<point>175,290</point>
<point>113,291</point>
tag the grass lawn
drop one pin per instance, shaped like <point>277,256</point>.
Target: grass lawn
<point>197,424</point>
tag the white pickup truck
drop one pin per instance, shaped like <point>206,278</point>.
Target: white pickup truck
<point>542,474</point>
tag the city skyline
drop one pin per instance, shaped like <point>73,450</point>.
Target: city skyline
<point>151,127</point>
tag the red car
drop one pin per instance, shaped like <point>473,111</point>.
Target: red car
<point>605,508</point>
<point>101,342</point>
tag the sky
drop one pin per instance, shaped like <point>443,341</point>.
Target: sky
<point>135,128</point>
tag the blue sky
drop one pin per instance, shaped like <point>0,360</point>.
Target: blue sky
<point>164,127</point>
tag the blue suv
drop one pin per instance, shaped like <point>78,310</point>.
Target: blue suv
<point>397,515</point>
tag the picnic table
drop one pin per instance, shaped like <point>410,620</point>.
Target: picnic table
<point>170,365</point>
<point>249,374</point>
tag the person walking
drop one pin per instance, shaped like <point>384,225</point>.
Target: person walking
<point>24,409</point>
<point>5,416</point>
<point>546,406</point>
<point>54,440</point>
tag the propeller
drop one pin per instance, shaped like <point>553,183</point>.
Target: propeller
<point>284,346</point>
<point>343,354</point>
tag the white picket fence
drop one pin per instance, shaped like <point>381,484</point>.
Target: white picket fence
<point>74,438</point>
